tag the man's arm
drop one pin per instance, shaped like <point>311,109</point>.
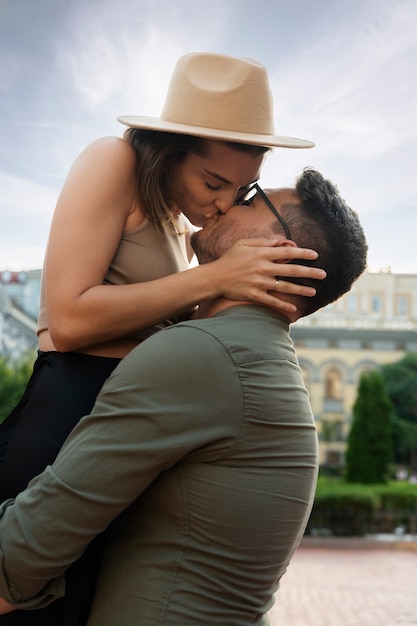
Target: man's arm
<point>150,414</point>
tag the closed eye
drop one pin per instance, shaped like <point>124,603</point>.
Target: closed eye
<point>213,187</point>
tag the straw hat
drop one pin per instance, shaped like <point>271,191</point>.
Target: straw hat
<point>218,97</point>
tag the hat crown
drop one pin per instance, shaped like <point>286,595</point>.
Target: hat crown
<point>220,92</point>
<point>218,97</point>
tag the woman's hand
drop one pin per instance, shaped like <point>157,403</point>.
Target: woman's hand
<point>249,270</point>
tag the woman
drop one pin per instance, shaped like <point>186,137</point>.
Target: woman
<point>116,267</point>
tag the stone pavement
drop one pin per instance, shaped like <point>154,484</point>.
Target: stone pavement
<point>349,584</point>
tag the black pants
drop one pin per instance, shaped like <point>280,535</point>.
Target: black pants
<point>61,390</point>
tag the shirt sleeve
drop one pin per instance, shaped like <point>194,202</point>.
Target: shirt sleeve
<point>163,403</point>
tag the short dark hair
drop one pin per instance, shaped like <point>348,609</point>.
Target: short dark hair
<point>322,220</point>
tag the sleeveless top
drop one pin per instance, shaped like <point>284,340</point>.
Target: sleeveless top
<point>143,254</point>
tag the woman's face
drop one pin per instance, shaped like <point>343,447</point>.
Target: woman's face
<point>203,185</point>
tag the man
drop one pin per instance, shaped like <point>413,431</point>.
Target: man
<point>202,444</point>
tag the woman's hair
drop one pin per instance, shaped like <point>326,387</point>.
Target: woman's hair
<point>157,153</point>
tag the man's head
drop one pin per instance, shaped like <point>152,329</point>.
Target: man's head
<point>317,218</point>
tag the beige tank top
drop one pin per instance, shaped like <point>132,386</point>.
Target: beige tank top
<point>143,254</point>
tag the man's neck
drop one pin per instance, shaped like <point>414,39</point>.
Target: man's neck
<point>211,307</point>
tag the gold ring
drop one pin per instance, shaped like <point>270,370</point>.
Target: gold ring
<point>276,284</point>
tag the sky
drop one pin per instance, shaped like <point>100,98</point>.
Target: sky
<point>342,74</point>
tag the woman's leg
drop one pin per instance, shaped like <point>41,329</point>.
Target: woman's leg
<point>61,390</point>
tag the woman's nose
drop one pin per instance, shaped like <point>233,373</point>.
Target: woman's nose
<point>225,202</point>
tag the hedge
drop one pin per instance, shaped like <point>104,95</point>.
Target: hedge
<point>346,509</point>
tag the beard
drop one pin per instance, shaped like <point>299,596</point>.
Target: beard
<point>210,243</point>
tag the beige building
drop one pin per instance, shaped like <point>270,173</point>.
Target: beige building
<point>374,324</point>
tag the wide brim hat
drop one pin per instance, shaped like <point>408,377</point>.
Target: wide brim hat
<point>218,97</point>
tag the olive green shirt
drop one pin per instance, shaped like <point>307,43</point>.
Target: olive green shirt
<point>204,443</point>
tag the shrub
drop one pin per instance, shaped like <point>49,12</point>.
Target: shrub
<point>346,509</point>
<point>342,514</point>
<point>13,380</point>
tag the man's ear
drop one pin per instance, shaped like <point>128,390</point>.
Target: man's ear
<point>288,242</point>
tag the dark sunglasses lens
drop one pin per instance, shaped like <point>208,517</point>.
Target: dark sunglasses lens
<point>246,196</point>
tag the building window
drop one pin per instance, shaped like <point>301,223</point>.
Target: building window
<point>376,303</point>
<point>334,458</point>
<point>403,306</point>
<point>333,385</point>
<point>352,303</point>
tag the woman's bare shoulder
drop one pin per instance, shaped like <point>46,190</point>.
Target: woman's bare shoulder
<point>110,157</point>
<point>110,147</point>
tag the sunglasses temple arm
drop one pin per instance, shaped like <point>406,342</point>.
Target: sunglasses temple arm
<point>273,209</point>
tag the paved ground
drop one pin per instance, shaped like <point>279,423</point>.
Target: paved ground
<point>348,586</point>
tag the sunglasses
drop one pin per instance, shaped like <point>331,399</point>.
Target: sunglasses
<point>257,190</point>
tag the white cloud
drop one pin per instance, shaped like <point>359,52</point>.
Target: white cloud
<point>20,256</point>
<point>25,212</point>
<point>16,198</point>
<point>356,86</point>
<point>133,68</point>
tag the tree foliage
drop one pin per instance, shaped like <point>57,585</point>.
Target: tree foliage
<point>13,380</point>
<point>400,381</point>
<point>369,451</point>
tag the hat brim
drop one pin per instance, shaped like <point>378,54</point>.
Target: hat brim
<point>166,126</point>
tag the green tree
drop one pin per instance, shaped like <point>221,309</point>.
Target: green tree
<point>369,451</point>
<point>13,380</point>
<point>400,381</point>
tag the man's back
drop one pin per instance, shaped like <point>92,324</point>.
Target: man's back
<point>208,541</point>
